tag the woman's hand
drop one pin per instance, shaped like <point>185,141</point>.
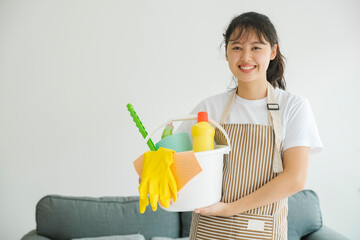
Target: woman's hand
<point>217,209</point>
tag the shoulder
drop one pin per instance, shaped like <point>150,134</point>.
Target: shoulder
<point>289,102</point>
<point>214,105</point>
<point>299,124</point>
<point>294,109</point>
<point>217,100</point>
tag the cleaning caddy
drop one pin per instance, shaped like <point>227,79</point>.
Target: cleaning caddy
<point>191,180</point>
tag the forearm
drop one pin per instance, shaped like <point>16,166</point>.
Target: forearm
<point>278,188</point>
<point>289,182</point>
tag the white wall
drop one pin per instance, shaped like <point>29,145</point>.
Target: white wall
<point>68,69</point>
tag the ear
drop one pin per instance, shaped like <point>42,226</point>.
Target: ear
<point>226,56</point>
<point>273,52</point>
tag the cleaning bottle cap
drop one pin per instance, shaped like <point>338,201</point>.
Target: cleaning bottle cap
<point>203,117</point>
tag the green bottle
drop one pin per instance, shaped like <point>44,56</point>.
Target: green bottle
<point>168,130</point>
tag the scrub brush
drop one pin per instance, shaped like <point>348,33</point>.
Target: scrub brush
<point>140,126</point>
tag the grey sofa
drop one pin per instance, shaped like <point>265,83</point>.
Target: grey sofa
<point>60,217</point>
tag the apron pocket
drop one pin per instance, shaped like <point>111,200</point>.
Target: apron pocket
<point>214,227</point>
<point>253,226</point>
<point>242,226</point>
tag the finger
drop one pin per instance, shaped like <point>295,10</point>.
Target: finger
<point>143,190</point>
<point>142,205</point>
<point>154,201</point>
<point>172,198</point>
<point>203,211</point>
<point>165,195</point>
<point>173,188</point>
<point>160,203</point>
<point>154,195</point>
<point>144,199</point>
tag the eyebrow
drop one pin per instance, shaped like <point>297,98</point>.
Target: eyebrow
<point>237,42</point>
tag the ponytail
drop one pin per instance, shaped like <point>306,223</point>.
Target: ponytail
<point>275,71</point>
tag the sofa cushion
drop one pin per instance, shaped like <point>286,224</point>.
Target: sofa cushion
<point>325,233</point>
<point>117,237</point>
<point>304,214</point>
<point>32,235</point>
<point>166,238</point>
<point>60,217</point>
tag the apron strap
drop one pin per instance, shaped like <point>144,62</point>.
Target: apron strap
<point>228,106</point>
<point>274,119</point>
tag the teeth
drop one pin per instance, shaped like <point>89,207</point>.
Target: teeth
<point>247,68</point>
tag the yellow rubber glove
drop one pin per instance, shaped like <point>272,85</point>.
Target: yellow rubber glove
<point>157,179</point>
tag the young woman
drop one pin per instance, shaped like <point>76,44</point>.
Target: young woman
<point>272,134</point>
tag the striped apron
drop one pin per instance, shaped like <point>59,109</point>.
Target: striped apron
<point>255,159</point>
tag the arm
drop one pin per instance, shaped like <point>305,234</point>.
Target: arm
<point>289,182</point>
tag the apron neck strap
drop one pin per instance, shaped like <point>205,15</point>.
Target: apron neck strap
<point>275,121</point>
<point>228,106</point>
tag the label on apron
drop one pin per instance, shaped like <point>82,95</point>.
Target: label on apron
<point>256,225</point>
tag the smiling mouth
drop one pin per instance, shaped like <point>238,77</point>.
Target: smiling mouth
<point>247,67</point>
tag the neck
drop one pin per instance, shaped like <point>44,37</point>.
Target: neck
<point>253,90</point>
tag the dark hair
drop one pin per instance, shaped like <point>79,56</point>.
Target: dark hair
<point>264,29</point>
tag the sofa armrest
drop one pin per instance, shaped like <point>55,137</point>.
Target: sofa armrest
<point>324,233</point>
<point>34,236</point>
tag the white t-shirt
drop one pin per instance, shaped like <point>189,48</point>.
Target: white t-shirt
<point>298,123</point>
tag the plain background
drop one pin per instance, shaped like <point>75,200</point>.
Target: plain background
<point>68,69</point>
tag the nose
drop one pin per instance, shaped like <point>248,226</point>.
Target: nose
<point>246,55</point>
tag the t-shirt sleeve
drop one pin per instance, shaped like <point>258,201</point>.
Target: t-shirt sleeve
<point>301,128</point>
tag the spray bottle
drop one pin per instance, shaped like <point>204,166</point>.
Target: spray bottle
<point>168,130</point>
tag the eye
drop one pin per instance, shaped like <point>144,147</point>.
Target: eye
<point>256,48</point>
<point>236,48</point>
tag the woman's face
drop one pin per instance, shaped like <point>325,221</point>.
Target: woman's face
<point>249,58</point>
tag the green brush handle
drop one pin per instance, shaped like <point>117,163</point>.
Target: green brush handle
<point>140,126</point>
